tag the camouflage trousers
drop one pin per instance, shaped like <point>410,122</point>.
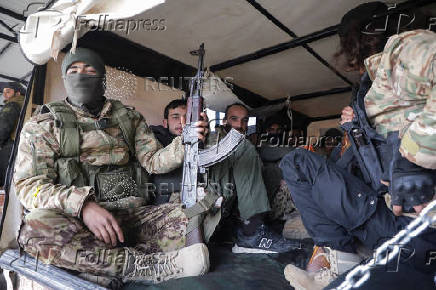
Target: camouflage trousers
<point>282,205</point>
<point>55,238</point>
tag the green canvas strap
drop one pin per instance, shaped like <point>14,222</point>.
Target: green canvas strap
<point>197,211</point>
<point>124,120</point>
<point>98,125</point>
<point>66,121</point>
<point>69,135</point>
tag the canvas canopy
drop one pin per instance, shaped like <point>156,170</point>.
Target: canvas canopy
<point>249,43</point>
<point>272,55</point>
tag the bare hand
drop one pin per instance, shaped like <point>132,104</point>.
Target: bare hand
<point>202,127</point>
<point>347,115</point>
<point>102,223</point>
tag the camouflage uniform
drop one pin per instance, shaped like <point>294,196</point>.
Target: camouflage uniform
<point>282,205</point>
<point>403,94</point>
<point>53,231</point>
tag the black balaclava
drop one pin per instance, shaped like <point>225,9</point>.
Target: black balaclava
<point>83,90</point>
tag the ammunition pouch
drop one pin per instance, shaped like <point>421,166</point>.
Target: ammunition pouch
<point>112,183</point>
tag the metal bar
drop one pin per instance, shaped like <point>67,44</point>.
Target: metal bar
<point>5,47</point>
<point>309,49</point>
<point>7,27</point>
<point>311,95</point>
<point>9,38</point>
<point>321,94</point>
<point>13,79</point>
<point>12,14</point>
<point>317,119</point>
<point>26,75</point>
<point>299,41</point>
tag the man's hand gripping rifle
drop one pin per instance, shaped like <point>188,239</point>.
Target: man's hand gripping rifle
<point>197,161</point>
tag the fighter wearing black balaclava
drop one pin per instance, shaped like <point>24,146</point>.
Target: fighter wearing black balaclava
<point>83,90</point>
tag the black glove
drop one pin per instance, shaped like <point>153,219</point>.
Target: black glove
<point>410,185</point>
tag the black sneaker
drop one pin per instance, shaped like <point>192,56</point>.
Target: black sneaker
<point>263,241</point>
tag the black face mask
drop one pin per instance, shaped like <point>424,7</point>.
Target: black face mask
<point>85,90</point>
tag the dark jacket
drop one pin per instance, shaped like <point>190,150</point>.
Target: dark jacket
<point>369,155</point>
<point>9,115</point>
<point>170,182</point>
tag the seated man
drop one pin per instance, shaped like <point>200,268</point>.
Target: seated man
<point>9,114</point>
<point>339,207</point>
<point>271,153</point>
<point>329,145</point>
<point>79,176</point>
<point>238,179</point>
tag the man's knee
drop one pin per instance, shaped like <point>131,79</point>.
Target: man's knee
<point>44,226</point>
<point>300,166</point>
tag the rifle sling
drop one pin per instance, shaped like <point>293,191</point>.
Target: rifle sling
<point>194,213</point>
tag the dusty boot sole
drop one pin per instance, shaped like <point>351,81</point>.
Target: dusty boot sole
<point>241,250</point>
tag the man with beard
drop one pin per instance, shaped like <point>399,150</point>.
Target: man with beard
<point>238,179</point>
<point>79,175</point>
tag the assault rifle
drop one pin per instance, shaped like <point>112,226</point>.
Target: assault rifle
<point>197,161</point>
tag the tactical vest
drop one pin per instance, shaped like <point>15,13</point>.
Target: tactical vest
<point>116,186</point>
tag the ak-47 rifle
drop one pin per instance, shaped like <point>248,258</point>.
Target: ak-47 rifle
<point>196,161</point>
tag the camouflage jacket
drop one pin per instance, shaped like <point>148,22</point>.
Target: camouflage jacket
<point>403,94</point>
<point>36,175</point>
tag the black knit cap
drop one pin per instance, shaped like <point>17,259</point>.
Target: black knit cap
<point>86,55</point>
<point>17,87</point>
<point>362,15</point>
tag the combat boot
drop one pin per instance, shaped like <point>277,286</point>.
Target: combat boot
<point>337,263</point>
<point>158,267</point>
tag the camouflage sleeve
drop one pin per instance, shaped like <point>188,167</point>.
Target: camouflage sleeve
<point>35,173</point>
<point>151,155</point>
<point>418,143</point>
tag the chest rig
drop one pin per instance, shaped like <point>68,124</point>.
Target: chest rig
<point>116,186</point>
